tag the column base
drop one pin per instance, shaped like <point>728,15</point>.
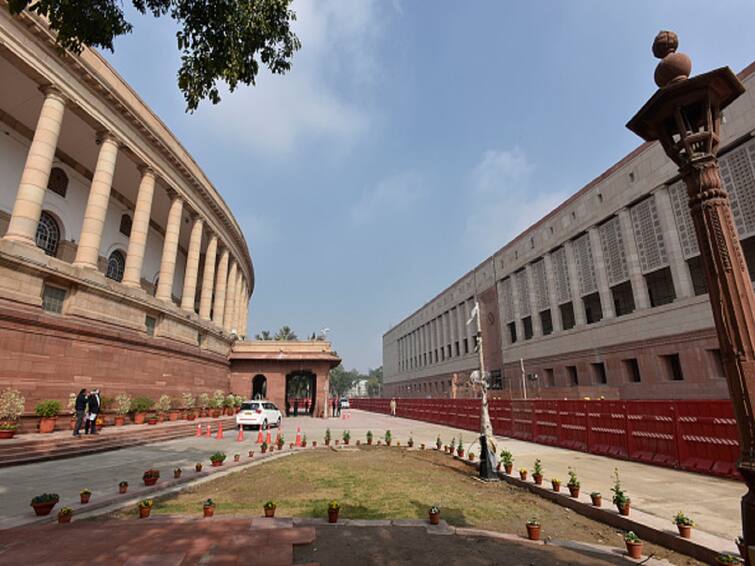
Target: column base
<point>86,265</point>
<point>20,239</point>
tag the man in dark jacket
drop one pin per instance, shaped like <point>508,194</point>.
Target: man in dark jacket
<point>93,404</point>
<point>80,407</point>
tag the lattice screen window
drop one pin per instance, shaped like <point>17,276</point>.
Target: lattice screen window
<point>649,235</point>
<point>507,291</point>
<point>523,290</point>
<point>541,285</point>
<point>684,225</point>
<point>561,275</point>
<point>585,267</point>
<point>614,252</point>
<point>739,179</point>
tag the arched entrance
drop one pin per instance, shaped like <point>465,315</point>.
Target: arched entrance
<point>301,393</point>
<point>259,387</point>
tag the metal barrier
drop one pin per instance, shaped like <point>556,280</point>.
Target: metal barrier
<point>698,436</point>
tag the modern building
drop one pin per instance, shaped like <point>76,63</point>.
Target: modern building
<point>121,266</point>
<point>604,296</point>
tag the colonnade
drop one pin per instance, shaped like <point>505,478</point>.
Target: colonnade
<point>226,283</point>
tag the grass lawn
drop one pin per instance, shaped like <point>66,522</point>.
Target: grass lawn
<point>389,483</point>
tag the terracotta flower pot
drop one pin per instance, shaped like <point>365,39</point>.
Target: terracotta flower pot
<point>574,491</point>
<point>634,549</point>
<point>208,510</point>
<point>85,497</point>
<point>333,515</point>
<point>263,449</point>
<point>139,418</point>
<point>64,518</point>
<point>556,486</point>
<point>507,468</point>
<point>122,488</point>
<point>120,420</point>
<point>434,518</point>
<point>152,421</point>
<point>421,446</point>
<point>72,423</point>
<point>150,481</point>
<point>160,418</point>
<point>190,416</point>
<point>7,434</point>
<point>624,509</point>
<point>533,532</point>
<point>42,509</point>
<point>236,457</point>
<point>538,478</point>
<point>217,464</point>
<point>198,467</point>
<point>251,453</point>
<point>314,444</point>
<point>369,442</point>
<point>460,453</point>
<point>388,442</point>
<point>173,415</point>
<point>269,512</point>
<point>597,500</point>
<point>523,476</point>
<point>685,531</point>
<point>47,424</point>
<point>176,474</point>
<point>144,512</point>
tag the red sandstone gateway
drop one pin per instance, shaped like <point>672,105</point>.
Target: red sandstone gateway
<point>258,414</point>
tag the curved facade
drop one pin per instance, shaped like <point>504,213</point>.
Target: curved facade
<point>120,264</point>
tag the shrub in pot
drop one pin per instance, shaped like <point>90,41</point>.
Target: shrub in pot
<point>556,483</point>
<point>314,444</point>
<point>369,437</point>
<point>533,529</point>
<point>85,495</point>
<point>346,437</point>
<point>523,474</point>
<point>217,459</point>
<point>47,411</point>
<point>537,472</point>
<point>229,403</point>
<point>438,442</point>
<point>452,448</point>
<point>434,514</point>
<point>422,446</point>
<point>163,405</point>
<point>122,408</point>
<point>208,508</point>
<point>684,524</point>
<point>174,412</point>
<point>11,409</point>
<point>573,484</point>
<point>152,420</point>
<point>177,473</point>
<point>188,402</point>
<point>203,402</point>
<point>251,453</point>
<point>471,456</point>
<point>304,441</point>
<point>269,508</point>
<point>122,487</point>
<point>726,559</point>
<point>333,509</point>
<point>216,403</point>
<point>65,514</point>
<point>151,476</point>
<point>139,407</point>
<point>597,499</point>
<point>410,442</point>
<point>327,437</point>
<point>7,429</point>
<point>237,457</point>
<point>280,441</point>
<point>145,508</point>
<point>388,437</point>
<point>507,460</point>
<point>263,447</point>
<point>198,467</point>
<point>620,498</point>
<point>634,545</point>
<point>44,503</point>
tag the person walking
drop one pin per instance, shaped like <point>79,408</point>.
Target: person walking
<point>80,408</point>
<point>393,407</point>
<point>93,401</point>
<point>333,404</point>
<point>296,406</point>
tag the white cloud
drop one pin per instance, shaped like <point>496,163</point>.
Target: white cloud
<point>391,195</point>
<point>323,94</point>
<point>502,201</point>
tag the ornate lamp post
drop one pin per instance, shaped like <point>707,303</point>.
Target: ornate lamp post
<point>685,116</point>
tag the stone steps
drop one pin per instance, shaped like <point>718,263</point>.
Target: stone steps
<point>38,447</point>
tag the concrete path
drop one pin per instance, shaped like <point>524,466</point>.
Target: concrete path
<point>712,502</point>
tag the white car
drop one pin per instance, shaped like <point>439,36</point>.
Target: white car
<point>345,403</point>
<point>258,413</point>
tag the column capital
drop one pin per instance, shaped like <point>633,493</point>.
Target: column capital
<point>51,91</point>
<point>173,194</point>
<point>103,136</point>
<point>146,170</point>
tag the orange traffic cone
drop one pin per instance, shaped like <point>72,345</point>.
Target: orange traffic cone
<point>199,430</point>
<point>268,438</point>
<point>298,436</point>
<point>219,435</point>
<point>259,436</point>
<point>240,436</point>
<point>209,434</point>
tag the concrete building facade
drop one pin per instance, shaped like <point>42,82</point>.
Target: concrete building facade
<point>604,296</point>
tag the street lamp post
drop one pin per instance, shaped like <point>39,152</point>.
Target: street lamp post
<point>685,116</point>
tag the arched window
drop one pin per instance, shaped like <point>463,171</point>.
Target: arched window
<point>58,182</point>
<point>259,387</point>
<point>126,225</point>
<point>48,234</point>
<point>115,265</point>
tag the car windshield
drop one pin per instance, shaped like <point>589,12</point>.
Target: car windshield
<point>249,406</point>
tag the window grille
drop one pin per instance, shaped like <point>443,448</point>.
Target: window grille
<point>739,180</point>
<point>58,181</point>
<point>541,285</point>
<point>48,234</point>
<point>523,290</point>
<point>614,252</point>
<point>585,267</point>
<point>648,235</point>
<point>508,299</point>
<point>684,225</point>
<point>561,275</point>
<point>115,266</point>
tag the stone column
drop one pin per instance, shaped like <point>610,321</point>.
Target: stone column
<point>192,265</point>
<point>218,310</point>
<point>31,190</point>
<point>170,249</point>
<point>244,309</point>
<point>237,301</point>
<point>537,325</point>
<point>580,319</point>
<point>230,297</point>
<point>88,251</point>
<point>679,270</point>
<point>601,275</point>
<point>552,294</point>
<point>137,240</point>
<point>639,287</point>
<point>208,278</point>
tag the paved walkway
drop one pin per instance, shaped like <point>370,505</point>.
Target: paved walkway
<point>712,502</point>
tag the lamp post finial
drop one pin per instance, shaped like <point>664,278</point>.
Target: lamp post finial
<point>674,66</point>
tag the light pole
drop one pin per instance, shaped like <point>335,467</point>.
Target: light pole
<point>685,116</point>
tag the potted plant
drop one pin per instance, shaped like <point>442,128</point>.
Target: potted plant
<point>198,467</point>
<point>388,437</point>
<point>523,474</point>
<point>238,400</point>
<point>438,442</point>
<point>237,457</point>
<point>152,419</point>
<point>422,446</point>
<point>122,486</point>
<point>333,509</point>
<point>471,456</point>
<point>84,496</point>
<point>65,514</point>
<point>508,461</point>
<point>47,411</point>
<point>188,401</point>
<point>434,514</point>
<point>369,437</point>
<point>217,459</point>
<point>145,508</point>
<point>163,406</point>
<point>327,437</point>
<point>139,407</point>
<point>451,449</point>
<point>269,508</point>
<point>620,498</point>
<point>251,453</point>
<point>398,443</point>
<point>174,413</point>
<point>346,437</point>
<point>216,403</point>
<point>537,472</point>
<point>533,529</point>
<point>597,499</point>
<point>304,441</point>
<point>460,449</point>
<point>122,408</point>
<point>280,441</point>
<point>556,483</point>
<point>726,558</point>
<point>203,402</point>
<point>573,484</point>
<point>634,545</point>
<point>684,524</point>
<point>177,473</point>
<point>229,403</point>
<point>11,409</point>
<point>208,507</point>
<point>263,447</point>
<point>410,442</point>
<point>151,476</point>
<point>44,503</point>
<point>314,444</point>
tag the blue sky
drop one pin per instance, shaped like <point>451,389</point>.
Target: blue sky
<point>414,138</point>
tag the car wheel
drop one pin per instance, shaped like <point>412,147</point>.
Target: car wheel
<point>278,424</point>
